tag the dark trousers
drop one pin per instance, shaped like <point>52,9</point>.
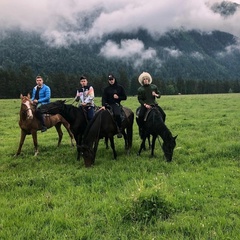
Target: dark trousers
<point>116,108</point>
<point>40,116</point>
<point>89,111</point>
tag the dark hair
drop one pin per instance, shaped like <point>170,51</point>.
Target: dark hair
<point>82,77</point>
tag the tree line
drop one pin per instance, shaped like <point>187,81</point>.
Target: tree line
<point>64,85</point>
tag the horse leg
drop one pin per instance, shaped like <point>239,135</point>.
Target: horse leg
<point>153,145</point>
<point>60,133</point>
<point>113,148</point>
<point>67,126</point>
<point>142,145</point>
<point>35,142</point>
<point>125,140</point>
<point>23,136</point>
<point>106,142</point>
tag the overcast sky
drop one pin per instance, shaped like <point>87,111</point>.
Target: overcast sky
<point>72,21</point>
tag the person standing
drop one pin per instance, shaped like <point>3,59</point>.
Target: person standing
<point>147,95</point>
<point>85,97</point>
<point>112,96</point>
<point>41,95</point>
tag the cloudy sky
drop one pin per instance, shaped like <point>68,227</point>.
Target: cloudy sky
<point>61,22</point>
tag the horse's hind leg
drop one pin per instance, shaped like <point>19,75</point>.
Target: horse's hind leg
<point>67,126</point>
<point>60,133</point>
<point>23,136</point>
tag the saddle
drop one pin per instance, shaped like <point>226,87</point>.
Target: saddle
<point>123,115</point>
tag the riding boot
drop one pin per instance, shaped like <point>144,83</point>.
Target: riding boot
<point>140,126</point>
<point>44,128</point>
<point>119,126</point>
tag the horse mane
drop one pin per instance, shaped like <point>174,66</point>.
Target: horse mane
<point>159,126</point>
<point>90,124</point>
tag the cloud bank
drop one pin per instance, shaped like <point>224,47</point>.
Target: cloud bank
<point>72,21</point>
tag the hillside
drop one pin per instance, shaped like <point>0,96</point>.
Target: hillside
<point>178,54</point>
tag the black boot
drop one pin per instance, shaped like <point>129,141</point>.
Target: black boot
<point>44,128</point>
<point>119,126</point>
<point>140,126</point>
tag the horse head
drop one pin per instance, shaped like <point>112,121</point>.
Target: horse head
<point>27,106</point>
<point>87,153</point>
<point>168,147</point>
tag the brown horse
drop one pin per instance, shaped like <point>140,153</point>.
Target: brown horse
<point>29,124</point>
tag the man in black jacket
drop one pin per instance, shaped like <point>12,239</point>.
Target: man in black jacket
<point>112,96</point>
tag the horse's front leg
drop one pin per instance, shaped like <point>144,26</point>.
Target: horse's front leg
<point>60,133</point>
<point>113,147</point>
<point>153,145</point>
<point>142,146</point>
<point>35,142</point>
<point>22,138</point>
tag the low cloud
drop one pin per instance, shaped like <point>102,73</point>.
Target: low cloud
<point>130,51</point>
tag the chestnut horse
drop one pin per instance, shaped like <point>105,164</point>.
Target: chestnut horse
<point>29,124</point>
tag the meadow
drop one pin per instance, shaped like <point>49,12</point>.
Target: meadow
<point>196,196</point>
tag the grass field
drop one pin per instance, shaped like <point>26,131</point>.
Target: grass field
<point>196,196</point>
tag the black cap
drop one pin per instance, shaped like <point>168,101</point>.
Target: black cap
<point>110,76</point>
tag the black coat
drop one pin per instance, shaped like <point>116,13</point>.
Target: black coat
<point>109,91</point>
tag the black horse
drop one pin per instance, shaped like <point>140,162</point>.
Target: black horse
<point>103,125</point>
<point>75,116</point>
<point>155,126</point>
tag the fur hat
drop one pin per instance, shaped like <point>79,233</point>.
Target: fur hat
<point>144,75</point>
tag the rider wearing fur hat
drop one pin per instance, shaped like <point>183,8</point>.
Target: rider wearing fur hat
<point>147,95</point>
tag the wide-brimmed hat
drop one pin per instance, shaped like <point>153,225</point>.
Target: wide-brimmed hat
<point>144,75</point>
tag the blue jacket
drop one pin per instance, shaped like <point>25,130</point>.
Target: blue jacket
<point>44,94</point>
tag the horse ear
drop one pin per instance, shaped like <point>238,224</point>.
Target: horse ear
<point>175,137</point>
<point>28,95</point>
<point>21,96</point>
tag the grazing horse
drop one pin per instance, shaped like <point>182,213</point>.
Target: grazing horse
<point>75,116</point>
<point>155,126</point>
<point>103,125</point>
<point>29,124</point>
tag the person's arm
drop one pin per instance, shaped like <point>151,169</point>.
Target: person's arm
<point>141,98</point>
<point>33,93</point>
<point>47,95</point>
<point>90,96</point>
<point>122,95</point>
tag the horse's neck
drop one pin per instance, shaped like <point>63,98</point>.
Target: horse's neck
<point>164,132</point>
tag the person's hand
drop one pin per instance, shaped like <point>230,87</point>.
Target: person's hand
<point>115,96</point>
<point>154,94</point>
<point>102,108</point>
<point>35,101</point>
<point>147,106</point>
<point>84,104</point>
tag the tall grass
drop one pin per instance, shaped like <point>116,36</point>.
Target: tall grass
<point>196,196</point>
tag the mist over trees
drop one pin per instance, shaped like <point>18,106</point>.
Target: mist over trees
<point>189,63</point>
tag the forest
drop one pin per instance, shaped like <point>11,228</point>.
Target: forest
<point>204,64</point>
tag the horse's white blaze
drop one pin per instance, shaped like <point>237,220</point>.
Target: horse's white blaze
<point>29,110</point>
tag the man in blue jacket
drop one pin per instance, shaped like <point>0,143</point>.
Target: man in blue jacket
<point>41,94</point>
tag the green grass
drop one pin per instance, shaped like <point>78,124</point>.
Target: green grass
<point>197,196</point>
